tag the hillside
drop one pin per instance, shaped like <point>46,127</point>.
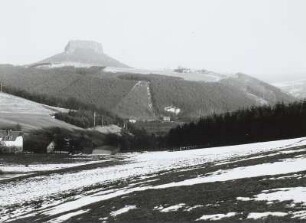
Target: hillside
<point>191,99</point>
<point>28,114</point>
<point>137,104</point>
<point>261,92</point>
<point>294,88</point>
<point>87,85</point>
<point>158,95</point>
<point>83,72</point>
<point>250,183</point>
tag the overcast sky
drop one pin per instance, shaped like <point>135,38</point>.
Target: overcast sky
<point>264,38</point>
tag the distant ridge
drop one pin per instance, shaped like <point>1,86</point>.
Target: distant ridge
<point>81,53</point>
<point>295,88</point>
<point>84,72</point>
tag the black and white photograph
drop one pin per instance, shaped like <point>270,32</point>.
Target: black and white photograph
<point>152,111</point>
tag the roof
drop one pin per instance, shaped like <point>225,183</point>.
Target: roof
<point>8,135</point>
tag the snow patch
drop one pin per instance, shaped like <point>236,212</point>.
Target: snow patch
<point>294,194</point>
<point>215,217</point>
<point>194,207</point>
<point>41,167</point>
<point>67,216</point>
<point>127,208</point>
<point>266,169</point>
<point>89,199</point>
<point>259,100</point>
<point>299,214</point>
<point>244,199</point>
<point>257,215</point>
<point>173,208</point>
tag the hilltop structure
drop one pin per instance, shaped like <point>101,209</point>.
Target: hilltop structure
<point>81,53</point>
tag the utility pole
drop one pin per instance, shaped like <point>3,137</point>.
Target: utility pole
<point>102,121</point>
<point>94,119</point>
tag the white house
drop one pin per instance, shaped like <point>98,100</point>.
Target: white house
<point>11,141</point>
<point>50,148</point>
<point>131,120</point>
<point>166,118</point>
<point>173,109</point>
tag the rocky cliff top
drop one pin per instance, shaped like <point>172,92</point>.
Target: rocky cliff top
<point>75,45</point>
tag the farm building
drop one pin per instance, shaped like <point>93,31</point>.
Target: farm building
<point>11,141</point>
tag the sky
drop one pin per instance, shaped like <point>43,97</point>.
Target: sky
<point>263,38</point>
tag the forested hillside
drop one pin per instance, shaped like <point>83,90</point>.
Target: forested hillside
<point>142,96</point>
<point>83,84</point>
<point>244,126</point>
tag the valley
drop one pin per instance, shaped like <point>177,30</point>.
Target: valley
<point>152,111</point>
<point>115,92</point>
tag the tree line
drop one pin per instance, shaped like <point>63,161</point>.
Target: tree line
<point>243,126</point>
<point>84,118</point>
<point>255,124</point>
<point>81,113</point>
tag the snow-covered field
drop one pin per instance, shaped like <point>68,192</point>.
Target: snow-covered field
<point>166,185</point>
<point>39,167</point>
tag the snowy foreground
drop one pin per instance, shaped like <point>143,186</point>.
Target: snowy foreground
<point>246,182</point>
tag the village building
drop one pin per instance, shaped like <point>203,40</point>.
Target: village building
<point>166,118</point>
<point>131,120</point>
<point>173,109</point>
<point>11,141</point>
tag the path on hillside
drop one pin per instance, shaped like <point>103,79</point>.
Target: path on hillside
<point>137,104</point>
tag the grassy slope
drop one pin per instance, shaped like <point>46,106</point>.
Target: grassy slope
<point>137,103</point>
<point>197,98</point>
<point>30,115</point>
